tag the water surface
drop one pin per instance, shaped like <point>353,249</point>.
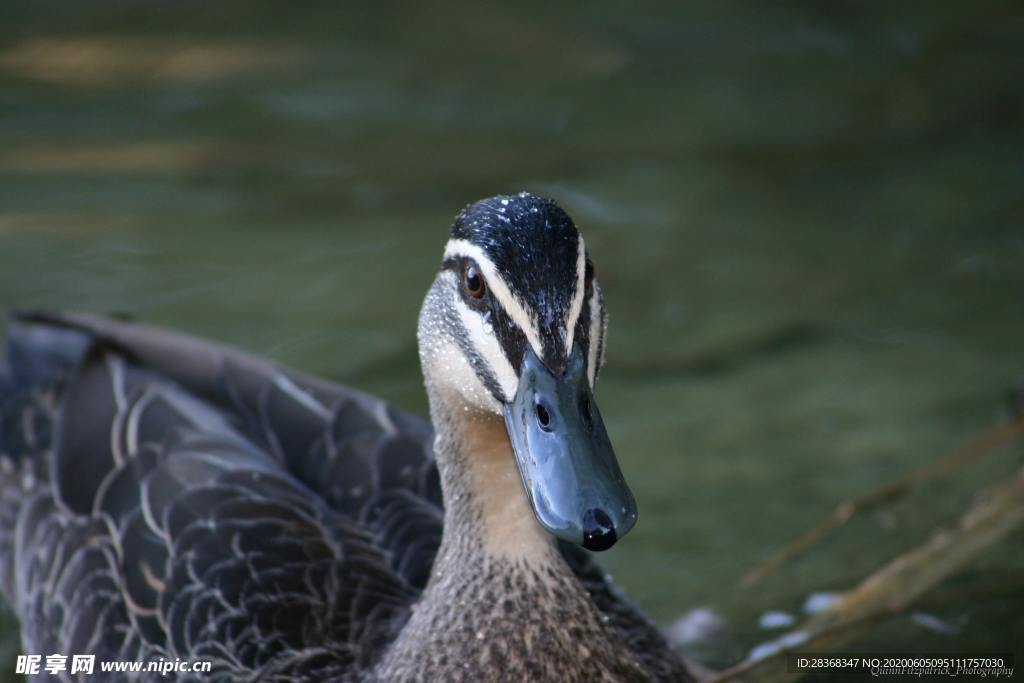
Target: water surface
<point>807,222</point>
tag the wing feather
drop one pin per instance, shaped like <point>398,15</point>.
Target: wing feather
<point>165,497</point>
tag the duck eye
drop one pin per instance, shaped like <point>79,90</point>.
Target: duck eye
<point>475,282</point>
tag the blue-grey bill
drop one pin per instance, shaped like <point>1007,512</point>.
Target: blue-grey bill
<point>564,456</point>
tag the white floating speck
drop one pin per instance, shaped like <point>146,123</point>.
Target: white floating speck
<point>818,602</point>
<point>699,625</point>
<point>772,647</point>
<point>775,619</point>
<point>933,623</point>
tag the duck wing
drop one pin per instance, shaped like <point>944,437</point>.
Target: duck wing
<point>166,497</point>
<point>193,502</point>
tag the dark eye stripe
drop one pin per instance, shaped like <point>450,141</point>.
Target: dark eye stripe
<point>480,366</point>
<point>583,326</point>
<point>511,339</point>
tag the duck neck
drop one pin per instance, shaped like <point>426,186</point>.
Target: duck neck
<point>487,515</point>
<point>501,601</point>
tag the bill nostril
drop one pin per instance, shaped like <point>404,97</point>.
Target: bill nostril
<point>585,412</point>
<point>543,417</point>
<point>598,530</point>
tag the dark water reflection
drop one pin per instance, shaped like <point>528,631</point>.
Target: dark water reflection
<point>807,222</point>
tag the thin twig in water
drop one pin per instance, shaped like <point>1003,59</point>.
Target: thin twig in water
<point>896,586</point>
<point>894,489</point>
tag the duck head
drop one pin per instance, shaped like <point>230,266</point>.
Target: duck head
<point>514,326</point>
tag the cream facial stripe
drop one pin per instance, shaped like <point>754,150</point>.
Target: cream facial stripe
<point>488,349</point>
<point>513,307</point>
<point>596,316</point>
<point>577,298</point>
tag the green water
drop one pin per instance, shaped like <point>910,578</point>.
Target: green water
<point>807,222</point>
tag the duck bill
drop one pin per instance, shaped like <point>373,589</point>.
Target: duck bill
<point>566,461</point>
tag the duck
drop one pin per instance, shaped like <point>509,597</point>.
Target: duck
<point>176,502</point>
